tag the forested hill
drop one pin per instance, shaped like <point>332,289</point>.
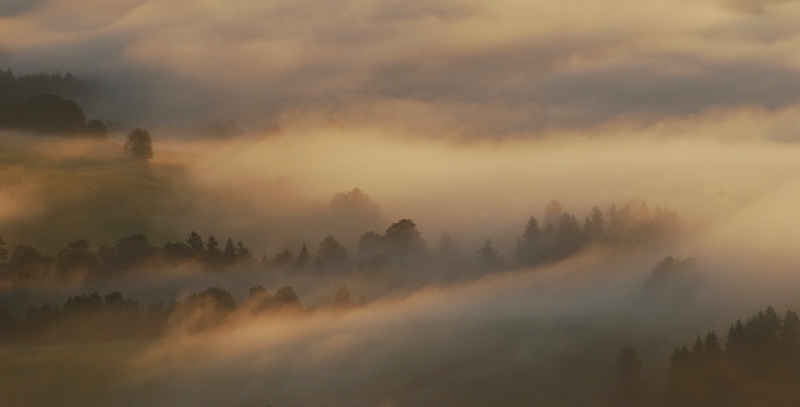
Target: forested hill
<point>24,87</point>
<point>48,104</point>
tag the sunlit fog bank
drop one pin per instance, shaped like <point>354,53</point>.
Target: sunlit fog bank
<point>547,337</point>
<point>488,190</point>
<point>492,340</point>
<point>371,266</point>
<point>466,69</point>
<point>385,203</point>
<point>294,188</point>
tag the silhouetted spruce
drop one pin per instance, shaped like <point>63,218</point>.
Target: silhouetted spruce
<point>759,365</point>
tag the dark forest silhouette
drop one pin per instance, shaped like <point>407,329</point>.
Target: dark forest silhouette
<point>26,265</point>
<point>19,88</point>
<point>401,247</point>
<point>139,145</point>
<point>630,388</point>
<point>562,235</point>
<point>758,365</point>
<point>94,318</point>
<point>46,104</point>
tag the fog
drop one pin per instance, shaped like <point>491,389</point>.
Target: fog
<point>282,123</point>
<point>448,69</point>
<point>437,346</point>
<point>275,192</point>
<point>516,338</point>
<point>488,190</point>
<point>528,335</point>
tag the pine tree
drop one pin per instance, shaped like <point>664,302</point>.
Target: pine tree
<point>488,257</point>
<point>229,254</point>
<point>195,243</point>
<point>303,259</point>
<point>242,253</point>
<point>594,226</point>
<point>3,250</point>
<point>212,253</point>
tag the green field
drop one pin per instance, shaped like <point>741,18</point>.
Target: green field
<point>72,375</point>
<point>54,192</point>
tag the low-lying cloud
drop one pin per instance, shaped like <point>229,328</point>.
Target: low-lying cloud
<point>533,68</point>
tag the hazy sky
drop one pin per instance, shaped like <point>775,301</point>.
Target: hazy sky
<point>469,68</point>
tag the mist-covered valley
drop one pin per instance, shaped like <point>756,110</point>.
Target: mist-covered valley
<point>382,203</point>
<point>434,313</point>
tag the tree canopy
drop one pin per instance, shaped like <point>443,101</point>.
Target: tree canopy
<point>139,145</point>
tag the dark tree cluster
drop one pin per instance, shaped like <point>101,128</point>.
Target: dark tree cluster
<point>208,253</point>
<point>401,245</point>
<point>668,270</point>
<point>259,300</point>
<point>50,115</point>
<point>331,257</point>
<point>630,388</point>
<point>562,235</point>
<point>354,204</point>
<point>80,261</point>
<point>139,145</point>
<point>82,319</point>
<point>354,210</point>
<point>488,258</point>
<point>15,88</point>
<point>46,103</point>
<point>92,318</point>
<point>759,365</point>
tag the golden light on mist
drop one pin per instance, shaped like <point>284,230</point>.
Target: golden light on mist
<point>453,186</point>
<point>467,118</point>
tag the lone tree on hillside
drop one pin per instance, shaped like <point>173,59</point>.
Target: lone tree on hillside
<point>139,145</point>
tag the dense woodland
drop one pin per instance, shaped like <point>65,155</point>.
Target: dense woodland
<point>758,365</point>
<point>95,318</point>
<point>26,265</point>
<point>401,247</point>
<point>19,88</point>
<point>45,104</point>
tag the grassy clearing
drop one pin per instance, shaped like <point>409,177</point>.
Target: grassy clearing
<point>53,193</point>
<point>73,375</point>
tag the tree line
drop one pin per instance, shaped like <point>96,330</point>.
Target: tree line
<point>25,265</point>
<point>562,235</point>
<point>19,88</point>
<point>401,246</point>
<point>45,104</point>
<point>95,318</point>
<point>558,237</point>
<point>758,365</point>
<point>49,114</point>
